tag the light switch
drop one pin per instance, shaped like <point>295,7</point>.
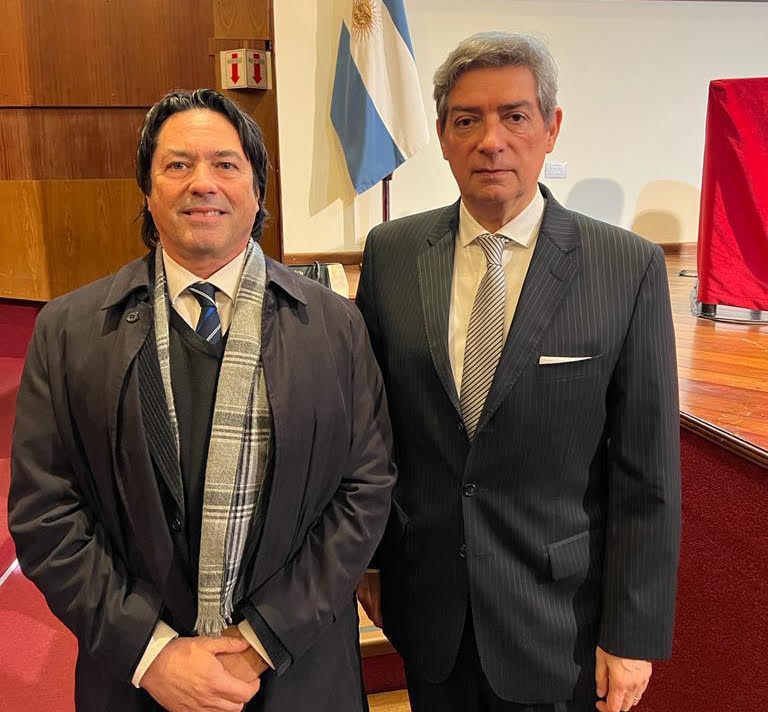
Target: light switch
<point>555,169</point>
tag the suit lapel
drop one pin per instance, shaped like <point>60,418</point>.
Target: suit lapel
<point>435,268</point>
<point>556,260</point>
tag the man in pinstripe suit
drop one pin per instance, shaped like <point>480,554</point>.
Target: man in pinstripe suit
<point>528,352</point>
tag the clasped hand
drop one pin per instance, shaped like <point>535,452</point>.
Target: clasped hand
<point>210,674</point>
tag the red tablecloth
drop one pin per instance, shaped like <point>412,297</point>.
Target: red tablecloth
<point>733,221</point>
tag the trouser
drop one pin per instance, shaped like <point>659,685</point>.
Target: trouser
<point>467,689</point>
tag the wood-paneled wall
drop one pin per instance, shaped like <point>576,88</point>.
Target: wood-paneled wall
<point>76,79</point>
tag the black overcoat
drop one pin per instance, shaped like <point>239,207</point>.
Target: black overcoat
<point>93,471</point>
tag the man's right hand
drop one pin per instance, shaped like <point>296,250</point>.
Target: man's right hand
<point>186,676</point>
<point>369,595</point>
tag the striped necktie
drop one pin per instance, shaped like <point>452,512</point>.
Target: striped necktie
<point>209,324</point>
<point>485,334</point>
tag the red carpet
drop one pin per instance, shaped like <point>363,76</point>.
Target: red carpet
<point>37,651</point>
<point>721,637</point>
<point>17,320</point>
<point>7,550</point>
<point>383,673</point>
<point>10,374</point>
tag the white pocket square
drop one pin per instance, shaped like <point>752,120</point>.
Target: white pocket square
<point>546,360</point>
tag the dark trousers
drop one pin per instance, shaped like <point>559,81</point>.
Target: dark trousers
<point>467,690</point>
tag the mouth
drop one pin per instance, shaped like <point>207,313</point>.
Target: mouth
<point>493,171</point>
<point>203,212</point>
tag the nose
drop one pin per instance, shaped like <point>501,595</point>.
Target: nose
<point>202,180</point>
<point>491,139</point>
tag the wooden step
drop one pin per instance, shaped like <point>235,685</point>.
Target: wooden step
<point>372,639</point>
<point>389,702</point>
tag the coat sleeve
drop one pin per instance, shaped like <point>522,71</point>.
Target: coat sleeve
<point>643,523</point>
<point>61,544</point>
<point>303,597</point>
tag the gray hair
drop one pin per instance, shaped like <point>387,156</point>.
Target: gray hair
<point>498,49</point>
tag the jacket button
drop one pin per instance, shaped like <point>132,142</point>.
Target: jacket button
<point>176,524</point>
<point>132,316</point>
<point>470,490</point>
<point>463,551</point>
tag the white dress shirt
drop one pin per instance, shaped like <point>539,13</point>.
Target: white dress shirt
<point>227,281</point>
<point>469,266</point>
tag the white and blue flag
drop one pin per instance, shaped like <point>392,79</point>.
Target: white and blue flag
<point>377,109</point>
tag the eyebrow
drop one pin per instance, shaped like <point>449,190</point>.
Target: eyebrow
<point>504,107</point>
<point>178,153</point>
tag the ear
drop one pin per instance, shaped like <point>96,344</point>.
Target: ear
<point>553,131</point>
<point>440,137</point>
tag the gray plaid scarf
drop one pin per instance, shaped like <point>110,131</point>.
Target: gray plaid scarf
<point>239,441</point>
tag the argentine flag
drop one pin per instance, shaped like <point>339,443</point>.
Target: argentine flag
<point>376,109</point>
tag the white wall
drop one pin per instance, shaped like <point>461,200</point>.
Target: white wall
<point>633,86</point>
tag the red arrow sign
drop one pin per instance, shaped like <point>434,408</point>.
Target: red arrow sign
<point>256,69</point>
<point>235,74</point>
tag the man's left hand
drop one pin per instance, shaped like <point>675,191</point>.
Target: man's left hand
<point>621,681</point>
<point>246,666</point>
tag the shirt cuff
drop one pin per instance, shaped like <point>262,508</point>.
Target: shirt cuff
<point>252,638</point>
<point>161,636</point>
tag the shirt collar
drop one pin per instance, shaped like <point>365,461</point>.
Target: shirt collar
<point>521,228</point>
<point>226,279</point>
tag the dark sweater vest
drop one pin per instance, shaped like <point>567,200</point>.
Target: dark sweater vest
<point>195,366</point>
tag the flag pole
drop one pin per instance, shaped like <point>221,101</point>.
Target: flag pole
<point>385,197</point>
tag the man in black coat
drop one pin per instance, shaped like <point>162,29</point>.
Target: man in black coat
<point>529,360</point>
<point>202,447</point>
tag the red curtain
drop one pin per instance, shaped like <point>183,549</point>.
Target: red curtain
<point>733,221</point>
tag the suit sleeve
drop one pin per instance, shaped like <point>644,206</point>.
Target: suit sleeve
<point>61,545</point>
<point>643,525</point>
<point>365,299</point>
<point>367,304</point>
<point>301,599</point>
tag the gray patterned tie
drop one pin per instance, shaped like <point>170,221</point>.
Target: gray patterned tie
<point>485,335</point>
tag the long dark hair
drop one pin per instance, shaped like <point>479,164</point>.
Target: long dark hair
<point>247,129</point>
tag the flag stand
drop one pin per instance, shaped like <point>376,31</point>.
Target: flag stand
<point>385,197</point>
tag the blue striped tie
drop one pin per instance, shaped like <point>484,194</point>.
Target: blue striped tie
<point>209,324</point>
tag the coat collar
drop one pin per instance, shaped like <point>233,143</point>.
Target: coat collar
<point>557,223</point>
<point>131,278</point>
<point>280,275</point>
<point>136,276</point>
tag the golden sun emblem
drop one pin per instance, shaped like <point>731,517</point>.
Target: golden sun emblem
<point>366,18</point>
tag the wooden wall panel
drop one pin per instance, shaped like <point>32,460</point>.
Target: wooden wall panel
<point>44,144</point>
<point>242,18</point>
<point>76,78</point>
<point>89,53</point>
<point>65,233</point>
<point>14,70</point>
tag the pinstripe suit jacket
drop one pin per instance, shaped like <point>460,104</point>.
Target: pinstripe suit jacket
<point>559,522</point>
